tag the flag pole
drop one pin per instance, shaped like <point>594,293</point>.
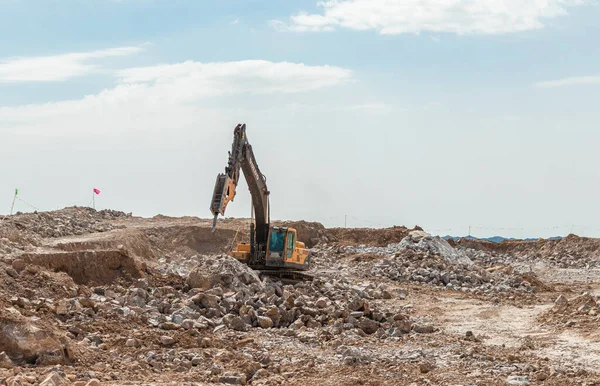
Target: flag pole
<point>94,199</point>
<point>13,203</point>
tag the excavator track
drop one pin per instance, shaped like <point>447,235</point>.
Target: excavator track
<point>286,276</point>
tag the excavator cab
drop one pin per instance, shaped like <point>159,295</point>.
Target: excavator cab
<point>283,250</point>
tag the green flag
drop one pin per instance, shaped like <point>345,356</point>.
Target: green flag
<point>16,192</point>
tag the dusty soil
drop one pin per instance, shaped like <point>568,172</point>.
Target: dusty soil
<point>90,296</point>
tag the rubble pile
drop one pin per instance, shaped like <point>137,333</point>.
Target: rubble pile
<point>569,252</point>
<point>580,311</point>
<point>419,242</point>
<point>224,292</point>
<point>66,222</point>
<point>432,260</point>
<point>220,294</point>
<point>158,303</point>
<point>491,258</point>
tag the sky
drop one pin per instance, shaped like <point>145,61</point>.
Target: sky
<point>370,113</point>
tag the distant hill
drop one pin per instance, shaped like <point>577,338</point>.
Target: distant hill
<point>497,239</point>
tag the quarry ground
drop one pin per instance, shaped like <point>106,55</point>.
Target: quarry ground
<point>103,298</point>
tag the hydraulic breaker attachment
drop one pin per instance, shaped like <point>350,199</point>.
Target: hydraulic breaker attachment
<point>223,193</point>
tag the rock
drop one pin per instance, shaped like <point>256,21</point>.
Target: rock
<point>561,301</point>
<point>136,301</point>
<point>199,279</point>
<point>12,272</point>
<point>32,343</point>
<point>265,322</point>
<point>5,361</point>
<point>93,382</point>
<point>426,367</point>
<point>404,326</point>
<point>167,340</point>
<point>542,376</point>
<point>368,326</point>
<point>418,235</point>
<point>18,265</point>
<point>238,324</point>
<point>53,379</point>
<point>232,379</point>
<point>23,302</point>
<point>322,302</point>
<point>188,324</point>
<point>356,304</point>
<point>62,308</point>
<point>273,313</point>
<point>424,328</point>
<point>87,302</point>
<point>133,343</point>
<point>517,380</point>
<point>168,326</point>
<point>205,342</point>
<point>206,300</point>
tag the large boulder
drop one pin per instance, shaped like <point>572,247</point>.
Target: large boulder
<point>223,271</point>
<point>26,342</point>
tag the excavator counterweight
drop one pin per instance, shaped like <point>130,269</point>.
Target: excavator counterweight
<point>274,251</point>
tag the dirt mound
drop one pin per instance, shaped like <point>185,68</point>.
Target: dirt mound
<point>580,312</point>
<point>572,251</point>
<point>310,233</point>
<point>365,236</point>
<point>188,240</point>
<point>88,267</point>
<point>22,230</point>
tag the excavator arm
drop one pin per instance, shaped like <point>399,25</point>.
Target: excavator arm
<point>242,157</point>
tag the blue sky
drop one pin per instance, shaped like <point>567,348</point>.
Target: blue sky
<point>392,112</point>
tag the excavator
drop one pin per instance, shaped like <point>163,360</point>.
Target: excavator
<point>272,251</point>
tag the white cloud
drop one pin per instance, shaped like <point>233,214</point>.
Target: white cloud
<point>157,93</point>
<point>57,67</point>
<point>392,17</point>
<point>574,81</point>
<point>195,79</point>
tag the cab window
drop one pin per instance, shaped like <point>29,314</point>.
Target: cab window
<point>291,243</point>
<point>277,240</point>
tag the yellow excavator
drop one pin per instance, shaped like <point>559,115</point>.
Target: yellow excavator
<point>273,251</point>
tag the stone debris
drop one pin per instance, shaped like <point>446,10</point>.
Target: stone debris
<point>432,260</point>
<point>561,301</point>
<point>5,361</point>
<point>66,222</point>
<point>195,318</point>
<point>517,380</point>
<point>54,379</point>
<point>569,252</point>
<point>419,242</point>
<point>426,367</point>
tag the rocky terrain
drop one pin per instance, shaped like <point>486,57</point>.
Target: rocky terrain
<point>105,298</point>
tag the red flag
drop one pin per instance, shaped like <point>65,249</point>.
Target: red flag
<point>96,191</point>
